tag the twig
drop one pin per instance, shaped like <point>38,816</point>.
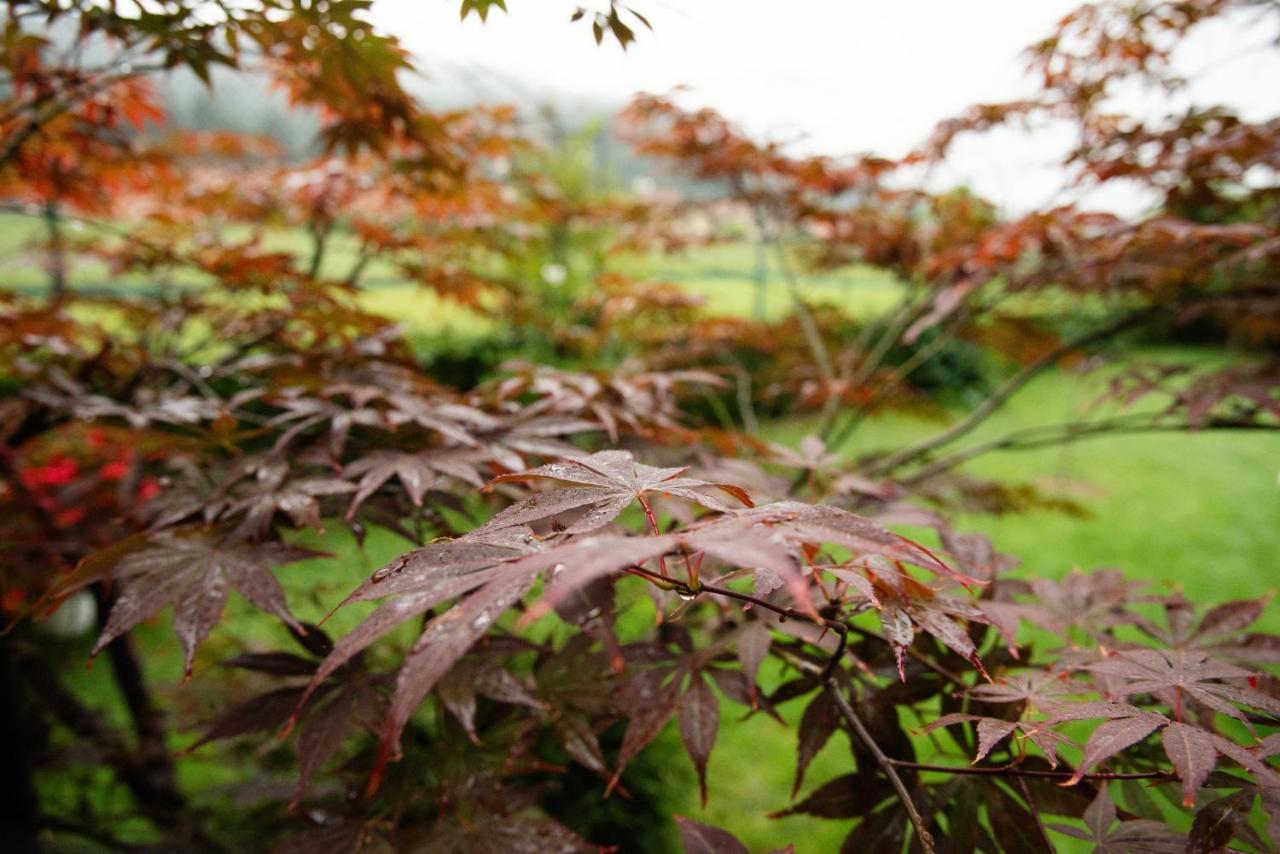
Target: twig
<point>887,765</point>
<point>1035,811</point>
<point>1048,435</point>
<point>997,398</point>
<point>1013,771</point>
<point>900,374</point>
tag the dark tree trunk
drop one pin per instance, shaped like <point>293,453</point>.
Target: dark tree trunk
<point>57,252</point>
<point>19,807</point>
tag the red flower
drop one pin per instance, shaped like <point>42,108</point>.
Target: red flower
<point>59,471</point>
<point>114,470</point>
<point>148,489</point>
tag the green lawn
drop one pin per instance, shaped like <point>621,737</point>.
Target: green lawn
<point>1196,511</point>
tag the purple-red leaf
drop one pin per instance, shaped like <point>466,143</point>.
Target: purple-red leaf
<point>819,722</point>
<point>699,838</point>
<point>699,722</point>
<point>193,574</point>
<point>1113,736</point>
<point>1192,752</point>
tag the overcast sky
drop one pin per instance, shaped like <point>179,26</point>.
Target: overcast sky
<point>844,75</point>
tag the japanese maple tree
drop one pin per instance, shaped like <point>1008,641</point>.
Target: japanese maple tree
<point>583,556</point>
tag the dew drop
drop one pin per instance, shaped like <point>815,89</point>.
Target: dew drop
<point>481,622</point>
<point>390,569</point>
<point>688,597</point>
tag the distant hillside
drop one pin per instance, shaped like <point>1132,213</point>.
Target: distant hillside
<point>246,102</point>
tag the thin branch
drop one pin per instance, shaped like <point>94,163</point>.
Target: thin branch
<point>997,398</point>
<point>1035,812</point>
<point>900,374</point>
<point>1045,436</point>
<point>57,255</point>
<point>319,243</point>
<point>363,258</point>
<point>887,765</point>
<point>746,410</point>
<point>1013,771</point>
<point>809,327</point>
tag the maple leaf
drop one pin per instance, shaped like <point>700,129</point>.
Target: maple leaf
<point>1093,602</point>
<point>270,490</point>
<point>193,573</point>
<point>417,473</point>
<point>538,435</point>
<point>1109,836</point>
<point>820,720</point>
<point>1222,820</point>
<point>651,696</point>
<point>1193,754</point>
<point>833,525</point>
<point>699,838</point>
<point>604,484</point>
<point>1169,674</point>
<point>1043,689</point>
<point>699,721</point>
<point>485,677</point>
<point>504,834</point>
<point>992,731</point>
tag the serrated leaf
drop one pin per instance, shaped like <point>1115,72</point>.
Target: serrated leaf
<point>646,720</point>
<point>193,574</point>
<point>1113,736</point>
<point>1014,827</point>
<point>417,473</point>
<point>1192,752</point>
<point>262,713</point>
<point>320,736</point>
<point>699,838</point>
<point>1230,617</point>
<point>699,721</point>
<point>900,633</point>
<point>843,797</point>
<point>444,640</point>
<point>610,480</point>
<point>992,731</point>
<point>753,643</point>
<point>575,735</point>
<point>1150,671</point>
<point>1218,822</point>
<point>819,722</point>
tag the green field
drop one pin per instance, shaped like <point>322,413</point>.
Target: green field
<point>1200,512</point>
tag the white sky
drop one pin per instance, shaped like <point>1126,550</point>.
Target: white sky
<point>844,75</point>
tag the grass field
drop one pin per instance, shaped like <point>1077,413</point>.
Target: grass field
<point>1196,511</point>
